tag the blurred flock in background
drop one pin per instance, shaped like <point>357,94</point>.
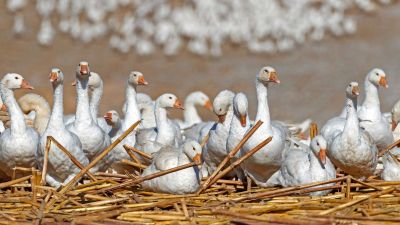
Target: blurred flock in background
<point>316,46</point>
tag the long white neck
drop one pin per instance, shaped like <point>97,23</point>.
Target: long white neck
<point>190,113</point>
<point>165,133</point>
<point>82,107</point>
<point>132,110</point>
<point>351,131</point>
<point>371,101</point>
<point>18,125</point>
<point>97,93</point>
<point>263,108</point>
<point>57,115</point>
<point>344,111</point>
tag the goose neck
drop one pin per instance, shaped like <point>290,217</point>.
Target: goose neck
<point>18,125</point>
<point>371,96</point>
<point>190,113</point>
<point>262,101</point>
<point>57,115</point>
<point>351,129</point>
<point>97,93</point>
<point>82,106</point>
<point>132,110</point>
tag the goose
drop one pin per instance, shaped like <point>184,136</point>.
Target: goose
<point>146,109</point>
<point>336,124</point>
<point>215,149</point>
<point>166,132</point>
<point>307,164</point>
<point>93,138</point>
<point>264,163</point>
<point>132,115</point>
<point>60,168</point>
<point>140,98</point>
<point>395,115</point>
<point>190,115</point>
<point>185,181</point>
<point>19,143</point>
<point>113,120</point>
<point>391,167</point>
<point>353,149</point>
<point>32,102</point>
<point>369,113</point>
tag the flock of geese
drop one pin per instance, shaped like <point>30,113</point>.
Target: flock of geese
<point>349,141</point>
<point>201,27</point>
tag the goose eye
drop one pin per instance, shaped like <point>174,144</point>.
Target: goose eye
<point>220,110</point>
<point>266,71</point>
<point>170,97</point>
<point>317,143</point>
<point>16,78</point>
<point>134,75</point>
<point>59,71</point>
<point>193,149</point>
<point>377,74</point>
<point>79,64</point>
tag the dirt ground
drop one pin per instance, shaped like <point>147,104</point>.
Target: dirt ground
<point>313,76</point>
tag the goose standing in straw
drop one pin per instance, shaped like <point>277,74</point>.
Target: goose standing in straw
<point>166,133</point>
<point>215,149</point>
<point>132,116</point>
<point>60,168</point>
<point>190,115</point>
<point>181,182</point>
<point>19,143</point>
<point>336,124</point>
<point>307,164</point>
<point>264,163</point>
<point>353,150</point>
<point>93,138</point>
<point>369,113</point>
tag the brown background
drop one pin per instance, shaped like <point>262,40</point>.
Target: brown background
<point>313,76</point>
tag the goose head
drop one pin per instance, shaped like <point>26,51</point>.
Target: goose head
<point>94,81</point>
<point>169,101</point>
<point>222,103</point>
<point>56,76</point>
<point>136,78</point>
<point>240,106</point>
<point>83,70</point>
<point>352,90</point>
<point>268,75</point>
<point>14,81</point>
<point>192,149</point>
<point>378,78</point>
<point>112,117</point>
<point>318,146</point>
<point>199,98</point>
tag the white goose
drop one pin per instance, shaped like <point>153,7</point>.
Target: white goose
<point>166,133</point>
<point>132,116</point>
<point>336,124</point>
<point>93,138</point>
<point>181,182</point>
<point>391,168</point>
<point>113,120</point>
<point>146,109</point>
<point>190,115</point>
<point>307,164</point>
<point>369,112</point>
<point>32,102</point>
<point>60,168</point>
<point>264,163</point>
<point>19,143</point>
<point>215,149</point>
<point>353,150</point>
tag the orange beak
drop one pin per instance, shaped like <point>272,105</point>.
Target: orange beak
<point>383,82</point>
<point>273,77</point>
<point>221,118</point>
<point>142,81</point>
<point>3,108</point>
<point>322,156</point>
<point>243,120</point>
<point>73,83</point>
<point>84,69</point>
<point>108,117</point>
<point>197,159</point>
<point>208,105</point>
<point>26,85</point>
<point>53,76</point>
<point>355,90</point>
<point>178,105</point>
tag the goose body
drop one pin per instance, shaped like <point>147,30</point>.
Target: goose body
<point>93,138</point>
<point>264,163</point>
<point>391,168</point>
<point>353,150</point>
<point>336,124</point>
<point>60,168</point>
<point>181,182</point>
<point>19,143</point>
<point>307,164</point>
<point>369,114</point>
<point>215,149</point>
